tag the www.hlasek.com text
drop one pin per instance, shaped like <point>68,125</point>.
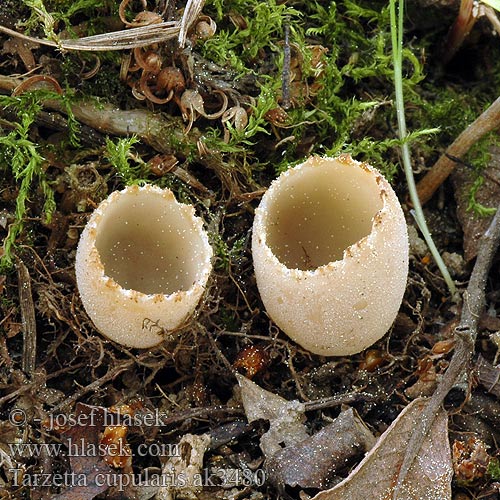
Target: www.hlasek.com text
<point>82,448</point>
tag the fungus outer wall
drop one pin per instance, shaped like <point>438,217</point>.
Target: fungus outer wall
<point>330,250</point>
<point>142,265</point>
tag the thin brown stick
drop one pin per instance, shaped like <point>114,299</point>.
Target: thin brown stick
<point>487,121</point>
<point>28,318</point>
<point>347,398</point>
<point>161,132</point>
<point>295,377</point>
<point>460,30</point>
<point>201,412</point>
<point>465,333</point>
<point>20,390</point>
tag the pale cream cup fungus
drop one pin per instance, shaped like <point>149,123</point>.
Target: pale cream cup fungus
<point>142,265</point>
<point>330,252</point>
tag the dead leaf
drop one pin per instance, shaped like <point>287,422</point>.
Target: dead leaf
<point>427,379</point>
<point>23,49</point>
<point>293,457</point>
<point>87,466</point>
<point>375,477</point>
<point>473,225</point>
<point>313,462</point>
<point>286,418</point>
<point>116,449</point>
<point>489,322</point>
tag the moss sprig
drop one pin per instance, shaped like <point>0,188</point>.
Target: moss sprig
<point>20,157</point>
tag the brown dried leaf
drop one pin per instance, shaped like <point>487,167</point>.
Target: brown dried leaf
<point>86,464</point>
<point>375,477</point>
<point>21,48</point>
<point>293,457</point>
<point>117,452</point>
<point>488,322</point>
<point>473,225</point>
<point>312,462</point>
<point>286,418</point>
<point>427,379</point>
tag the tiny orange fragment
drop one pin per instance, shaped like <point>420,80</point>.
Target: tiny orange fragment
<point>252,359</point>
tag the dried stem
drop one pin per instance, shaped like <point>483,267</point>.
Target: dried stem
<point>460,30</point>
<point>191,13</point>
<point>486,122</point>
<point>492,18</point>
<point>162,133</point>
<point>116,40</point>
<point>465,333</point>
<point>347,398</point>
<point>28,318</point>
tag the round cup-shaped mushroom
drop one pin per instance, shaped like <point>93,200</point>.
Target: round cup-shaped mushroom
<point>330,252</point>
<point>142,264</point>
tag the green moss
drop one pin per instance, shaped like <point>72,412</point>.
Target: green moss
<point>21,158</point>
<point>226,252</point>
<point>50,14</point>
<point>479,157</point>
<point>261,26</point>
<point>474,205</point>
<point>128,165</point>
<point>494,469</point>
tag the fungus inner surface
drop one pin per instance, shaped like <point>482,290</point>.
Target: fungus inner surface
<point>318,211</point>
<point>150,244</point>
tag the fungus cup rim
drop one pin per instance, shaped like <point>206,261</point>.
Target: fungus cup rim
<point>187,210</point>
<point>350,252</point>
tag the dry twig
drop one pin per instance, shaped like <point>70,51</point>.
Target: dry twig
<point>28,318</point>
<point>461,28</point>
<point>486,122</point>
<point>154,129</point>
<point>110,375</point>
<point>465,333</point>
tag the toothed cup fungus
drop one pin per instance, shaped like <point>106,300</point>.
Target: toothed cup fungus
<point>142,264</point>
<point>330,251</point>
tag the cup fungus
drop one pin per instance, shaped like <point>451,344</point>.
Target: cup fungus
<point>142,264</point>
<point>330,251</point>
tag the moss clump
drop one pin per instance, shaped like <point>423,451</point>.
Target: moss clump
<point>21,158</point>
